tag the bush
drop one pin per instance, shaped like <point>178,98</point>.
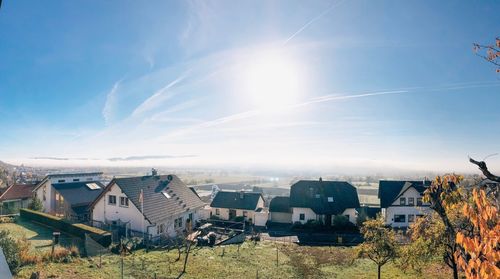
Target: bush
<point>11,250</point>
<point>7,219</point>
<point>313,224</point>
<point>60,255</point>
<point>340,221</point>
<point>35,204</point>
<point>239,219</point>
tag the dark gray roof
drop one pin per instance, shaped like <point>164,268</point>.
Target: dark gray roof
<point>236,200</point>
<point>389,190</point>
<point>157,207</point>
<point>78,193</point>
<point>55,175</point>
<point>280,204</point>
<point>314,194</point>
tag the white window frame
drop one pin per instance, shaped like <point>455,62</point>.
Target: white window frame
<point>124,201</point>
<point>109,199</point>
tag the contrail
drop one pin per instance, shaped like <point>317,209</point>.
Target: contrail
<point>312,20</point>
<point>332,97</point>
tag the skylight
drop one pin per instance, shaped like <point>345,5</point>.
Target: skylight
<point>166,195</point>
<point>93,186</point>
<point>330,199</point>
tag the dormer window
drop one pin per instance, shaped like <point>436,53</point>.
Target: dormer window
<point>330,199</point>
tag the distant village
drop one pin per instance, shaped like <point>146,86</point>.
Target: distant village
<point>157,205</point>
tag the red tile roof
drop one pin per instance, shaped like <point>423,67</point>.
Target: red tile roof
<point>18,191</point>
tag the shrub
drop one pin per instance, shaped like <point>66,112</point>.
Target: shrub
<point>74,251</point>
<point>7,219</point>
<point>60,255</point>
<point>340,221</point>
<point>35,204</point>
<point>25,253</point>
<point>10,249</point>
<point>239,219</point>
<point>313,224</point>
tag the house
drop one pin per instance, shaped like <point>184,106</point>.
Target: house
<point>401,202</point>
<point>280,210</point>
<point>228,205</point>
<point>322,200</point>
<point>69,195</point>
<point>15,197</point>
<point>156,205</point>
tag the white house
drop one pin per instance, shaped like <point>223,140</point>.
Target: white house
<point>155,205</point>
<point>228,205</point>
<point>401,202</point>
<point>322,200</point>
<point>69,194</point>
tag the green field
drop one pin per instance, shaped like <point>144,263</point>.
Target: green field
<point>220,262</point>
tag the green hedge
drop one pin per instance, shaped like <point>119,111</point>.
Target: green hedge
<point>102,237</point>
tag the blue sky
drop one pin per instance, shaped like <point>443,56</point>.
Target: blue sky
<point>285,84</point>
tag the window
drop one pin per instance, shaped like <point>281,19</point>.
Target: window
<point>419,201</point>
<point>411,201</point>
<point>399,218</point>
<point>317,196</point>
<point>160,229</point>
<point>217,211</point>
<point>347,216</point>
<point>61,181</point>
<point>330,199</point>
<point>112,200</point>
<point>402,201</point>
<point>124,201</point>
<point>76,179</point>
<point>178,223</point>
<point>93,186</point>
<point>245,214</point>
<point>411,218</point>
<point>302,217</point>
<point>166,195</point>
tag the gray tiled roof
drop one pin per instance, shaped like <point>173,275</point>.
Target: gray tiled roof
<point>280,204</point>
<point>314,194</point>
<point>77,193</point>
<point>157,207</point>
<point>236,200</point>
<point>389,190</point>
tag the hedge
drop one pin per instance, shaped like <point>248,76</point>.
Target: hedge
<point>101,236</point>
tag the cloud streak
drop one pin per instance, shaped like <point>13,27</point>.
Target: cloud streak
<point>334,5</point>
<point>110,105</point>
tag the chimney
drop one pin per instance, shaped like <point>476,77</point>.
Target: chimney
<point>154,172</point>
<point>320,179</point>
<point>242,194</point>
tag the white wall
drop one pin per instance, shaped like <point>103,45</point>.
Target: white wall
<point>105,212</point>
<point>309,214</point>
<point>224,212</point>
<point>281,217</point>
<point>397,209</point>
<point>48,206</point>
<point>353,214</point>
<point>260,218</point>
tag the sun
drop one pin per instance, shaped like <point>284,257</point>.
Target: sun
<point>271,81</point>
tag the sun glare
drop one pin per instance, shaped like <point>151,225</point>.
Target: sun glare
<point>271,81</point>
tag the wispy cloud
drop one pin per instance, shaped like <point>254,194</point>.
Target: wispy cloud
<point>111,102</point>
<point>159,96</point>
<point>149,157</point>
<point>334,5</point>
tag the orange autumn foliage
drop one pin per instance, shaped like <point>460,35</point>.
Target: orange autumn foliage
<point>481,254</point>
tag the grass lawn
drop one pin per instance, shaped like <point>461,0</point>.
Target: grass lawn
<point>39,236</point>
<point>225,262</point>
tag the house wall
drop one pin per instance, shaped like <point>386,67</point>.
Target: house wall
<point>106,213</point>
<point>260,218</point>
<point>169,224</point>
<point>353,214</point>
<point>397,209</point>
<point>281,217</point>
<point>309,214</point>
<point>47,200</point>
<point>224,212</point>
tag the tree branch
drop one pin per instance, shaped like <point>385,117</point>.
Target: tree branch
<point>484,169</point>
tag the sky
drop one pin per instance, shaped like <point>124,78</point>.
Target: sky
<point>321,85</point>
